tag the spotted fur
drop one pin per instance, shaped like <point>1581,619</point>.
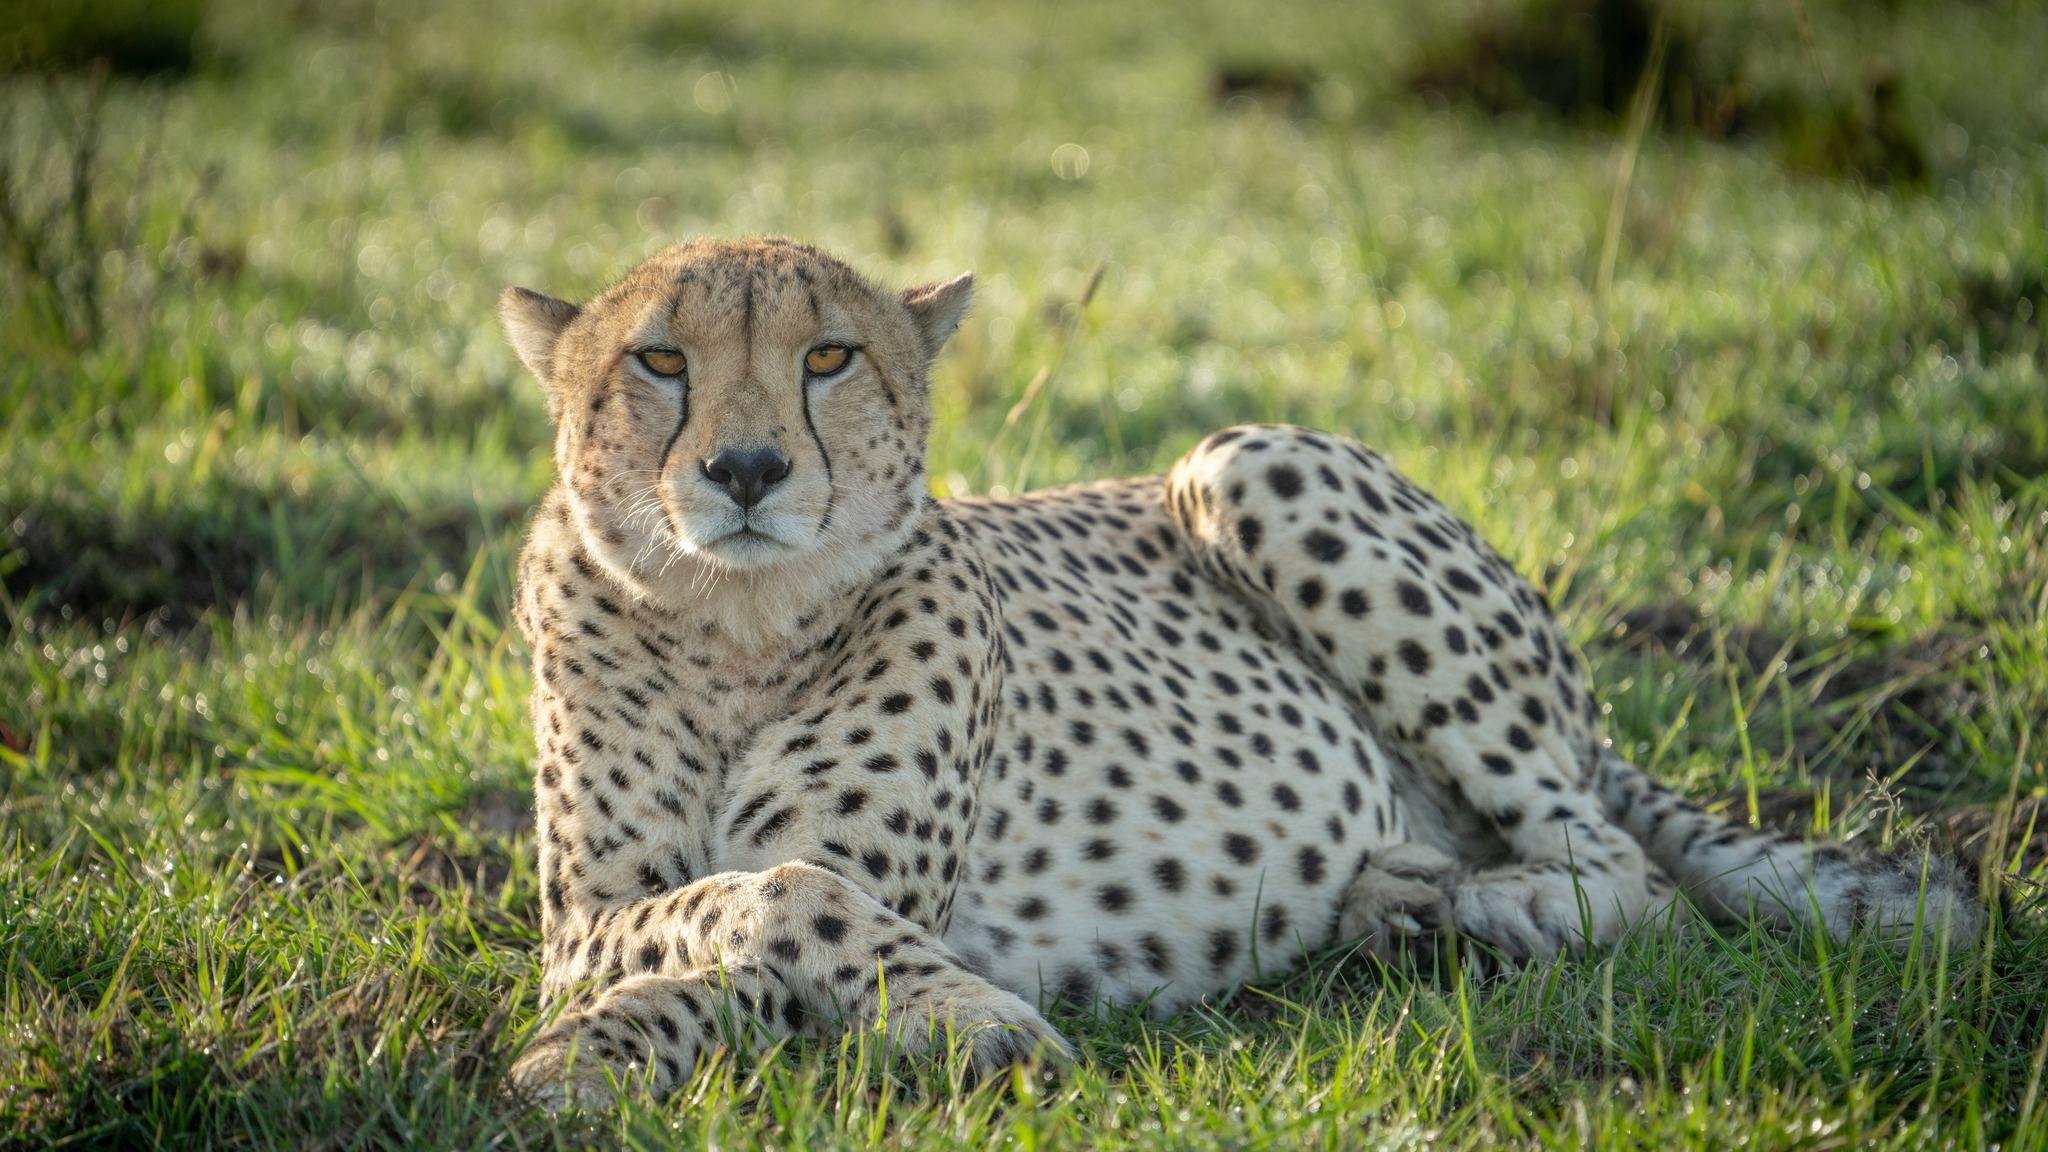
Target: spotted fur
<point>849,756</point>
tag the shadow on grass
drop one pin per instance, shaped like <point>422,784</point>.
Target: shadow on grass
<point>1585,61</point>
<point>216,546</point>
<point>1836,686</point>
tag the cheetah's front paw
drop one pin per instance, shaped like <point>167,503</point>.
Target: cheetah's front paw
<point>561,1070</point>
<point>992,1028</point>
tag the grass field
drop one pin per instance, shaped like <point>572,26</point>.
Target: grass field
<point>1762,396</point>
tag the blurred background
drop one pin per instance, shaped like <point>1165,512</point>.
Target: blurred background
<point>1723,319</point>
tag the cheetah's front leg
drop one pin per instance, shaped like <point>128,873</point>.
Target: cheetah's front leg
<point>839,838</point>
<point>745,959</point>
<point>652,1029</point>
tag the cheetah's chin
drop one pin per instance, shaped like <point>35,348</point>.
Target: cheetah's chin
<point>749,543</point>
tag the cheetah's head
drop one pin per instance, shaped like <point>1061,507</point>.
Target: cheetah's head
<point>748,408</point>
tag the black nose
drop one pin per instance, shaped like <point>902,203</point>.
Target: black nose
<point>747,473</point>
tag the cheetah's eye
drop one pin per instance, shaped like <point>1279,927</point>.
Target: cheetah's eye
<point>826,359</point>
<point>663,361</point>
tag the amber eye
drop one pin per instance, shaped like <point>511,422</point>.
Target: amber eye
<point>663,361</point>
<point>826,359</point>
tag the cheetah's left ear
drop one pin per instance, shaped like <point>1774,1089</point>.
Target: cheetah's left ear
<point>937,308</point>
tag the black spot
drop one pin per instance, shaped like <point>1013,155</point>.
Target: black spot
<point>1222,948</point>
<point>1414,657</point>
<point>1169,873</point>
<point>1310,593</point>
<point>1284,480</point>
<point>1322,545</point>
<point>1273,922</point>
<point>1249,533</point>
<point>1413,598</point>
<point>1157,957</point>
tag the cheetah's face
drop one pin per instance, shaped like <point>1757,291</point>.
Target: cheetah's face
<point>750,405</point>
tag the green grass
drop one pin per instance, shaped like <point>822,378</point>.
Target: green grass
<point>265,861</point>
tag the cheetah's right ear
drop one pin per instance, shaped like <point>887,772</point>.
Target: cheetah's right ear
<point>533,323</point>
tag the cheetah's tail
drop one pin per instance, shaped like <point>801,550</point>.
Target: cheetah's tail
<point>1729,871</point>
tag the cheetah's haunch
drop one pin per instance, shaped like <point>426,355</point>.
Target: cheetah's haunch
<point>817,751</point>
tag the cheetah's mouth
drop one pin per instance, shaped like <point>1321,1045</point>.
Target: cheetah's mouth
<point>745,546</point>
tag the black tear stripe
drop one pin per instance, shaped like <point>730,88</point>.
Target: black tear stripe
<point>831,489</point>
<point>675,303</point>
<point>803,392</point>
<point>682,418</point>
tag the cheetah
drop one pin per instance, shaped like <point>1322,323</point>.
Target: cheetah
<point>817,751</point>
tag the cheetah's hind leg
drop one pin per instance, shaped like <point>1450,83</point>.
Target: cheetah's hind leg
<point>1446,650</point>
